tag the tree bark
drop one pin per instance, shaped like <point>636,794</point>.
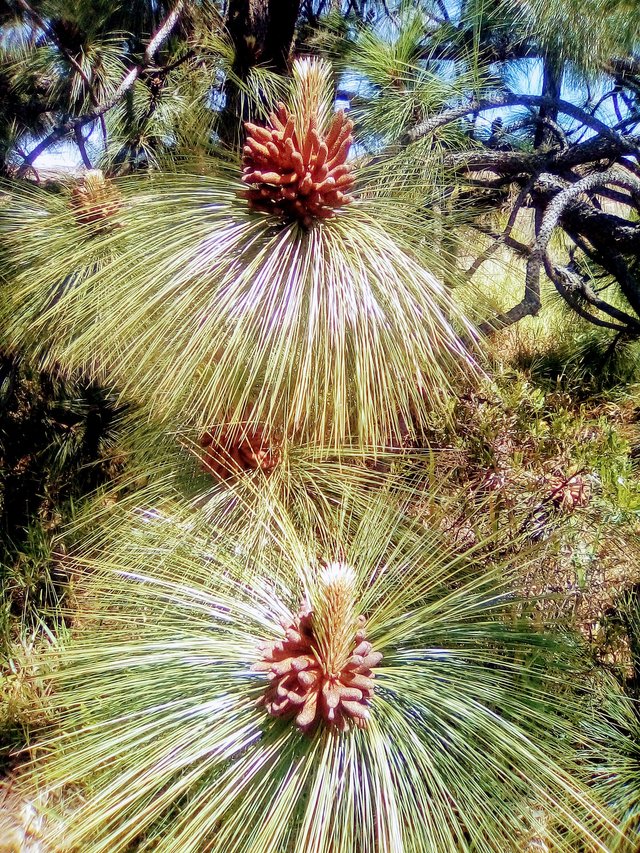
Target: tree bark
<point>262,32</point>
<point>551,88</point>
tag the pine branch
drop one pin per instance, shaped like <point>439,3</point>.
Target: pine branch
<point>568,284</point>
<point>509,99</point>
<point>573,288</point>
<point>80,141</point>
<point>97,112</point>
<point>519,162</point>
<point>50,33</point>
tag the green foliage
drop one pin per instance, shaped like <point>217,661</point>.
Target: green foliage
<point>519,420</point>
<point>217,314</point>
<point>56,444</point>
<point>472,712</point>
<point>56,447</point>
<point>25,704</point>
<point>585,33</point>
<point>615,761</point>
<point>80,59</point>
<point>589,362</point>
<point>393,86</point>
<point>339,339</point>
<point>309,481</point>
<point>535,461</point>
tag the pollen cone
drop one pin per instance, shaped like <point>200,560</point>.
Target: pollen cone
<point>296,165</point>
<point>322,670</point>
<point>94,198</point>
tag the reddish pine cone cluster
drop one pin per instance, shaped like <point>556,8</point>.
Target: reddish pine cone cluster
<point>300,684</point>
<point>229,454</point>
<point>298,178</point>
<point>568,493</point>
<point>94,198</point>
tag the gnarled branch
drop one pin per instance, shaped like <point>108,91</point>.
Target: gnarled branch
<point>509,99</point>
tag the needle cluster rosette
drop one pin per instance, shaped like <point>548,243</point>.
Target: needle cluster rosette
<point>298,175</point>
<point>228,454</point>
<point>94,198</point>
<point>312,683</point>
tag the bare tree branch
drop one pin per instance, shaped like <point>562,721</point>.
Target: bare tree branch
<point>572,287</point>
<point>545,121</point>
<point>528,306</point>
<point>82,148</point>
<point>554,212</point>
<point>443,10</point>
<point>520,249</point>
<point>527,162</point>
<point>509,99</point>
<point>530,303</point>
<point>500,241</point>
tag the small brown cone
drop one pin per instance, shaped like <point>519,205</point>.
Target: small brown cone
<point>242,449</point>
<point>322,673</point>
<point>94,199</point>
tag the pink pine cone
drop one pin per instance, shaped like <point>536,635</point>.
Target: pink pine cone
<point>300,685</point>
<point>304,178</point>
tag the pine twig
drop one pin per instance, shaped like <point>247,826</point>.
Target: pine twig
<point>73,125</point>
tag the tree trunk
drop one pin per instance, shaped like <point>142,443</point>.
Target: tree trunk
<point>262,32</point>
<point>551,87</point>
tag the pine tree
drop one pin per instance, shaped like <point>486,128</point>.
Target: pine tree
<point>279,648</point>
